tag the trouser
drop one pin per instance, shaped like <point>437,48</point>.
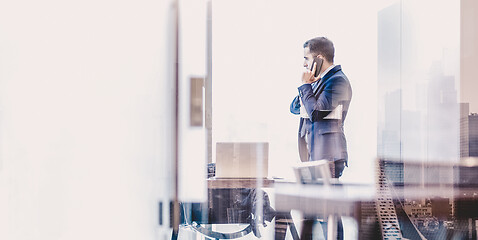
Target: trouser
<point>336,169</point>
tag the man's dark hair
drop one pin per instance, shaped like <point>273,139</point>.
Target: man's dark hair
<point>322,46</point>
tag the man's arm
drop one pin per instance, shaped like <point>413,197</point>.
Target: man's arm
<point>295,106</point>
<point>334,92</point>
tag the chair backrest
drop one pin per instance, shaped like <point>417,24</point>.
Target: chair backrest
<point>313,172</point>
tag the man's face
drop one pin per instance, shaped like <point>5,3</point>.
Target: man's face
<point>308,58</point>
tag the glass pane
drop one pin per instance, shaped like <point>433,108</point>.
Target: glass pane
<point>424,116</point>
<point>83,133</point>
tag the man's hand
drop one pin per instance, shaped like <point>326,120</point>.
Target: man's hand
<point>308,76</point>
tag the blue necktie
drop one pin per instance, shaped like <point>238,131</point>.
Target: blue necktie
<point>315,85</point>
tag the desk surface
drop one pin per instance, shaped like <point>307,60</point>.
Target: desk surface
<point>353,192</point>
<point>319,199</point>
<point>214,183</point>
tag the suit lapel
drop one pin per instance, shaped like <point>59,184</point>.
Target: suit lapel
<point>321,86</point>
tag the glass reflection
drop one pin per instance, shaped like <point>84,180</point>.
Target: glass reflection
<point>424,187</point>
<point>425,132</point>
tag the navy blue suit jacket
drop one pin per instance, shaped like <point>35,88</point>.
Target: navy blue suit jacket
<point>325,137</point>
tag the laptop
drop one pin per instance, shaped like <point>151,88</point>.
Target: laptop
<point>242,159</point>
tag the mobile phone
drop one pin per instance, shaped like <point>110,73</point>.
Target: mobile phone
<point>319,63</point>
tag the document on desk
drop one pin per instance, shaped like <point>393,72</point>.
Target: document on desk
<point>336,113</point>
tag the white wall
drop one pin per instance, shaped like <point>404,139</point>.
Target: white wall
<point>82,119</point>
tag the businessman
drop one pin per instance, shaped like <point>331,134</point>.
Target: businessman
<point>322,103</point>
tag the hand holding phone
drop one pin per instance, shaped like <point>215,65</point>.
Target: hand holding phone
<point>318,61</point>
<point>313,74</point>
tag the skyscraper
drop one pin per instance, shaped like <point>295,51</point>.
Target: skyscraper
<point>473,134</point>
<point>464,133</point>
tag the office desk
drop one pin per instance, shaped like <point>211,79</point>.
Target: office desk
<point>327,201</point>
<point>348,200</point>
<point>230,201</point>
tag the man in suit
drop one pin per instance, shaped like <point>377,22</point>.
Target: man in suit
<point>322,103</point>
<point>321,130</point>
